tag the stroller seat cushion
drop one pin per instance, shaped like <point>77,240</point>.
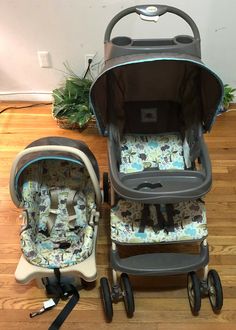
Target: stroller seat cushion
<point>57,233</point>
<point>163,152</point>
<point>189,223</point>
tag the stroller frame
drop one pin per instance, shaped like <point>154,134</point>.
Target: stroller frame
<point>152,186</point>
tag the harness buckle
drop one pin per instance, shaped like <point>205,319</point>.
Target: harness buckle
<point>47,305</point>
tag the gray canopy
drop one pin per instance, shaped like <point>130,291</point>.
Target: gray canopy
<point>183,79</point>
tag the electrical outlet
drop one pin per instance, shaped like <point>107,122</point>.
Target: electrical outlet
<point>44,59</point>
<point>87,57</point>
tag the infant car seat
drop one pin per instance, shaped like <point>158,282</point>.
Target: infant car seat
<point>55,181</point>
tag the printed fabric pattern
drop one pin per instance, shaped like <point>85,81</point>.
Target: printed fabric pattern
<point>189,223</point>
<point>53,238</point>
<point>162,152</point>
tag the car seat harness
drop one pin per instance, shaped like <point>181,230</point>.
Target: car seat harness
<point>162,223</point>
<point>58,291</point>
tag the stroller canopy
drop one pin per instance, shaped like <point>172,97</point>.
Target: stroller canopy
<point>53,148</point>
<point>183,79</point>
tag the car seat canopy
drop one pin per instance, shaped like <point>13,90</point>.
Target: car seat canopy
<point>53,148</point>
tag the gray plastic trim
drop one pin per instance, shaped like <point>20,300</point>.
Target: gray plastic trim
<point>161,10</point>
<point>148,46</point>
<point>127,46</point>
<point>176,186</point>
<point>154,264</point>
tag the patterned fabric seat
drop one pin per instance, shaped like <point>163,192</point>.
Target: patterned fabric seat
<point>163,152</point>
<point>54,237</point>
<point>189,223</point>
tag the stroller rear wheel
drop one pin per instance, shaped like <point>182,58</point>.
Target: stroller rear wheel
<point>194,292</point>
<point>128,296</point>
<point>106,298</point>
<point>215,291</point>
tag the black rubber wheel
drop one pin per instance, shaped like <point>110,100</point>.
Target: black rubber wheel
<point>215,292</point>
<point>106,298</point>
<point>128,296</point>
<point>106,187</point>
<point>194,292</point>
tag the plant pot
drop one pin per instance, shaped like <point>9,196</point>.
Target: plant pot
<point>64,123</point>
<point>92,122</point>
<point>222,109</point>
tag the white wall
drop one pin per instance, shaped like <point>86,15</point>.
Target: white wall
<point>69,29</point>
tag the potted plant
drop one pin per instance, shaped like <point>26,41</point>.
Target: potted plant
<point>228,98</point>
<point>71,102</point>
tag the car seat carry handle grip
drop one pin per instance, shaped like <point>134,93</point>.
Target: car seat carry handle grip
<point>151,13</point>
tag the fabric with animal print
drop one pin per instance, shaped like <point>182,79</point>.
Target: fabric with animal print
<point>53,238</point>
<point>189,223</point>
<point>162,152</point>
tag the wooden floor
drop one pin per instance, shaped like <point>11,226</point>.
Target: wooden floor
<point>161,303</point>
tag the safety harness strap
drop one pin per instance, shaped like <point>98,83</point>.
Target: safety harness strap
<point>144,218</point>
<point>160,218</point>
<point>57,323</point>
<point>63,292</point>
<point>58,291</point>
<point>71,201</point>
<point>170,217</point>
<point>162,223</point>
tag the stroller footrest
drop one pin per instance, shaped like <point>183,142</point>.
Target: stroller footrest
<point>160,263</point>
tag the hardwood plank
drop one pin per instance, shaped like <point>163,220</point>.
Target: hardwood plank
<point>161,302</point>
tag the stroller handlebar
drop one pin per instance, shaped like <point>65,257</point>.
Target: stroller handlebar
<point>150,12</point>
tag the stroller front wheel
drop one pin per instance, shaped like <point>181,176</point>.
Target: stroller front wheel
<point>194,292</point>
<point>127,293</point>
<point>215,291</point>
<point>106,298</point>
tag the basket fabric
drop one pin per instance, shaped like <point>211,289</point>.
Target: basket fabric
<point>189,223</point>
<point>54,237</point>
<point>162,152</point>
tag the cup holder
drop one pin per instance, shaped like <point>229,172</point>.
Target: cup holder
<point>148,186</point>
<point>183,39</point>
<point>121,41</point>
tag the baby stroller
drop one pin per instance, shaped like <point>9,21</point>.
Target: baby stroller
<point>55,181</point>
<point>155,99</point>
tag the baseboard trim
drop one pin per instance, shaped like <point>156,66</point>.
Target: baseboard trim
<point>26,96</point>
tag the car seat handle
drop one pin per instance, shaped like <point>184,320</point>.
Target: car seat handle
<point>151,13</point>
